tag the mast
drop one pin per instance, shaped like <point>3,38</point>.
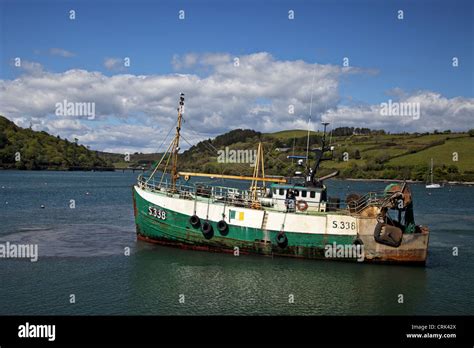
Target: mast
<point>259,167</point>
<point>431,170</point>
<point>174,169</point>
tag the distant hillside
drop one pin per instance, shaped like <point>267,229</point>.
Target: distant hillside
<point>359,153</point>
<point>290,134</point>
<point>132,161</point>
<point>370,154</point>
<point>22,148</point>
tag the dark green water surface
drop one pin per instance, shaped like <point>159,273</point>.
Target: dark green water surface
<point>81,252</point>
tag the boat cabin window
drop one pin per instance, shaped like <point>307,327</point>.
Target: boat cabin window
<point>303,193</point>
<point>312,194</point>
<point>296,192</point>
<point>282,192</point>
<point>274,191</point>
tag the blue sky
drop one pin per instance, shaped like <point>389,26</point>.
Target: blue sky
<point>412,55</point>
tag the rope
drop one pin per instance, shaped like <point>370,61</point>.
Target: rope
<point>283,224</point>
<point>156,167</point>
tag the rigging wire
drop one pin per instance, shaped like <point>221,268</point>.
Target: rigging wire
<point>165,138</point>
<point>159,162</point>
<point>205,142</point>
<point>220,169</point>
<point>156,167</point>
<point>166,166</point>
<point>213,149</point>
<point>167,135</point>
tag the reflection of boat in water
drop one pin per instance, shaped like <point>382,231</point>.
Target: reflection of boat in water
<point>290,217</point>
<point>432,185</point>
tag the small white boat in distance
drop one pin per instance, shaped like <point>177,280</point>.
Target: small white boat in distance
<point>432,185</point>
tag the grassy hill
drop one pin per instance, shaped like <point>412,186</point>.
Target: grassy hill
<point>407,157</point>
<point>291,134</point>
<point>370,156</point>
<point>22,148</point>
<point>359,153</point>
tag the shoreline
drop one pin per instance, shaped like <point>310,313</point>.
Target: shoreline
<point>453,183</point>
<point>464,183</point>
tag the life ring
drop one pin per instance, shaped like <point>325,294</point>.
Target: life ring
<point>207,230</point>
<point>222,227</point>
<point>186,178</point>
<point>282,240</point>
<point>302,205</point>
<point>195,221</point>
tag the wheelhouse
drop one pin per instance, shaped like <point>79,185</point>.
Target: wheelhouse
<point>314,197</point>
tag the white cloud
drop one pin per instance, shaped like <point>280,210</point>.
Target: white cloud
<point>113,64</point>
<point>436,112</point>
<point>32,68</point>
<point>61,52</point>
<point>62,125</point>
<point>192,60</point>
<point>135,112</point>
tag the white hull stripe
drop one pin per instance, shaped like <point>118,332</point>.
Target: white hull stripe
<point>252,218</point>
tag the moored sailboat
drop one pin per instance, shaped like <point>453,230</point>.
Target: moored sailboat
<point>432,185</point>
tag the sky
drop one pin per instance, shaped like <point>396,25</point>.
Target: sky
<point>241,64</point>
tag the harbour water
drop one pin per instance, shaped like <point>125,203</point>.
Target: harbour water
<point>87,224</point>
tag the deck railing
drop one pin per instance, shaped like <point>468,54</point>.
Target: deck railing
<point>372,199</point>
<point>243,198</point>
<point>227,195</point>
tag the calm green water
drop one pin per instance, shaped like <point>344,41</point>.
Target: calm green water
<point>81,252</point>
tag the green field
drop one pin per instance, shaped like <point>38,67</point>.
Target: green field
<point>442,154</point>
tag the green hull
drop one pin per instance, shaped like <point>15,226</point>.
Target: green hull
<point>176,230</point>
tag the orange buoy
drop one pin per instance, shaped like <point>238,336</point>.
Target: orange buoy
<point>302,205</point>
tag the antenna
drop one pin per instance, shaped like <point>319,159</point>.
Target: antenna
<point>325,124</point>
<point>309,120</point>
<point>319,155</point>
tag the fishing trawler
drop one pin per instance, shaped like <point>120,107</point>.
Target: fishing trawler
<point>275,216</point>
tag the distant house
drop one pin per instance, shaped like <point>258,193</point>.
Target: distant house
<point>282,149</point>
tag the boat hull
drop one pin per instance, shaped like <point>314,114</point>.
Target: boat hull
<point>165,220</point>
